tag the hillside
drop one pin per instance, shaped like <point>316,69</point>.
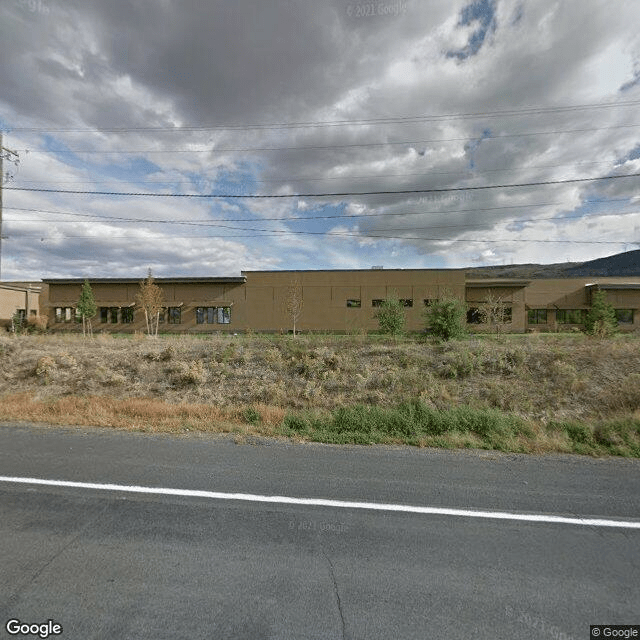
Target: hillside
<point>621,264</point>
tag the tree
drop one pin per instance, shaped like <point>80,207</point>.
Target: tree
<point>391,316</point>
<point>86,308</point>
<point>601,319</point>
<point>445,317</point>
<point>151,299</point>
<point>495,312</point>
<point>294,302</point>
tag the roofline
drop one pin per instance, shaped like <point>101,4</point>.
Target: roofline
<point>185,280</point>
<point>384,269</point>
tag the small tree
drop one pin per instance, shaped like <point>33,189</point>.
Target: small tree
<point>151,299</point>
<point>445,318</point>
<point>495,312</point>
<point>391,316</point>
<point>601,319</point>
<point>294,302</point>
<point>86,308</point>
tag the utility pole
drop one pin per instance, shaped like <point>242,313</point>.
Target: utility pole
<point>12,156</point>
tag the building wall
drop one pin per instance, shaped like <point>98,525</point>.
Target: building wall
<point>325,296</point>
<point>260,303</point>
<point>15,297</point>
<point>560,294</point>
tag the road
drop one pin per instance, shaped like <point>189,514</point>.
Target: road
<point>106,562</point>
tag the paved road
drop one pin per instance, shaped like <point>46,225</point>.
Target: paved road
<point>119,565</point>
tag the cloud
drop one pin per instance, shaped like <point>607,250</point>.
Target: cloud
<point>282,98</point>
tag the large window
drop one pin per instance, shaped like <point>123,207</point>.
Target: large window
<point>353,304</point>
<point>213,315</point>
<point>109,314</point>
<point>537,316</point>
<point>64,314</point>
<point>175,315</point>
<point>570,316</point>
<point>126,313</point>
<point>406,302</point>
<point>624,316</point>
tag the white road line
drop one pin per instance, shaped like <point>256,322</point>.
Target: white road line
<point>319,502</point>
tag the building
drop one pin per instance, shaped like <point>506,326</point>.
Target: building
<point>339,300</point>
<point>19,301</point>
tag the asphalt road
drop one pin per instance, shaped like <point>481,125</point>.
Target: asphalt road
<point>119,565</point>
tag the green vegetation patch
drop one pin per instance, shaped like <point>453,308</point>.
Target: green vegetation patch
<point>410,423</point>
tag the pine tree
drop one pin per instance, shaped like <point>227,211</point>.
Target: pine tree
<point>601,319</point>
<point>87,308</point>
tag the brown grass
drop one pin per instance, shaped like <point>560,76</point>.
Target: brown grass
<point>209,383</point>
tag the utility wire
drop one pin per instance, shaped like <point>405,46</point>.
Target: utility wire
<point>330,146</point>
<point>468,172</point>
<point>217,223</point>
<point>323,195</point>
<point>341,123</point>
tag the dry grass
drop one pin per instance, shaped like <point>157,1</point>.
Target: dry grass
<point>249,383</point>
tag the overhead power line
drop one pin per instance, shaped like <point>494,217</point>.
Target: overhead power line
<point>329,146</point>
<point>323,195</point>
<point>217,223</point>
<point>344,122</point>
<point>376,176</point>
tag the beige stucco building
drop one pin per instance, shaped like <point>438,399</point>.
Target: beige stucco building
<point>338,300</point>
<point>20,300</point>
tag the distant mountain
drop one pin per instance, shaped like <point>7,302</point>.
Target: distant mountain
<point>621,264</point>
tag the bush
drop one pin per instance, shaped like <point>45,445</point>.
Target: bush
<point>390,316</point>
<point>445,318</point>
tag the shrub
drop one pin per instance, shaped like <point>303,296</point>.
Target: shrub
<point>445,318</point>
<point>390,316</point>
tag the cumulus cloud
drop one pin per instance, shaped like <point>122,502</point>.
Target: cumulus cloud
<point>416,100</point>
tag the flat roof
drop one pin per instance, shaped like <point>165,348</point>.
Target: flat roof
<point>186,280</point>
<point>375,269</point>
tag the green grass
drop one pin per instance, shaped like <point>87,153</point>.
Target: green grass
<point>414,423</point>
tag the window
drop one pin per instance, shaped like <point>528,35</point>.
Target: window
<point>126,314</point>
<point>474,316</point>
<point>353,304</point>
<point>377,302</point>
<point>624,316</point>
<point>64,314</point>
<point>429,301</point>
<point>537,316</point>
<point>570,316</point>
<point>109,314</point>
<point>507,314</point>
<point>175,315</point>
<point>406,302</point>
<point>213,315</point>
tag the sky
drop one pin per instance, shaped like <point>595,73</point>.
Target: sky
<point>307,134</point>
